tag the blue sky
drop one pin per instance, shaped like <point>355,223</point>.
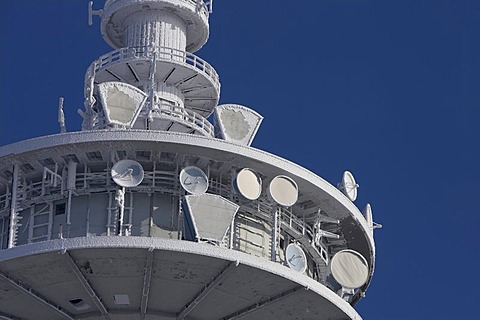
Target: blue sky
<point>389,90</point>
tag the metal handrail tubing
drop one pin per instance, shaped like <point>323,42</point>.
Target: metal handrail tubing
<point>202,5</point>
<point>189,116</point>
<point>159,53</point>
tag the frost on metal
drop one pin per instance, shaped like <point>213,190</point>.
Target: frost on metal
<point>236,123</point>
<point>121,103</point>
<point>115,241</point>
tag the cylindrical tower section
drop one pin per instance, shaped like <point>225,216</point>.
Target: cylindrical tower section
<point>155,28</point>
<point>179,24</point>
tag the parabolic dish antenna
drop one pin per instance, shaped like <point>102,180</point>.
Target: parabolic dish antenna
<point>248,184</point>
<point>283,190</point>
<point>194,180</point>
<point>127,173</point>
<point>348,186</point>
<point>296,259</point>
<point>367,213</point>
<point>349,268</point>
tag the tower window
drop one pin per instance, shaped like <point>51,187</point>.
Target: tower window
<point>60,209</point>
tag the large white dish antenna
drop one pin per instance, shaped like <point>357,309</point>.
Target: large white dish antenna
<point>194,180</point>
<point>296,258</point>
<point>349,268</point>
<point>208,217</point>
<point>283,190</point>
<point>348,186</point>
<point>127,173</point>
<point>247,184</point>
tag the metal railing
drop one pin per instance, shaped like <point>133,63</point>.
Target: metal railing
<point>204,7</point>
<point>158,53</point>
<point>187,117</point>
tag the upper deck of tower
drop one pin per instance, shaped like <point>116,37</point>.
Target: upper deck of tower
<point>180,24</point>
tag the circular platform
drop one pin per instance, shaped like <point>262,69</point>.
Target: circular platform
<point>133,277</point>
<point>197,81</point>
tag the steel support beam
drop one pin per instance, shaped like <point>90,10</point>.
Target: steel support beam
<point>146,283</point>
<point>88,288</point>
<point>206,291</point>
<point>35,296</point>
<point>258,306</point>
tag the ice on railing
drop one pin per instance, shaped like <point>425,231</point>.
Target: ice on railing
<point>159,53</point>
<point>204,6</point>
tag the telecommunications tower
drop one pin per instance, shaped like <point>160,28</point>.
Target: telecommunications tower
<point>152,212</point>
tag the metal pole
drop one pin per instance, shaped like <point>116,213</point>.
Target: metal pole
<point>13,207</point>
<point>274,235</point>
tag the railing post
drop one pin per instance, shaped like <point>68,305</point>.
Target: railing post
<point>13,207</point>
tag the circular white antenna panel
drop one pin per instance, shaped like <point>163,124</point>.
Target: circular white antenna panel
<point>349,269</point>
<point>127,173</point>
<point>283,190</point>
<point>194,180</point>
<point>296,258</point>
<point>248,184</point>
<point>349,186</point>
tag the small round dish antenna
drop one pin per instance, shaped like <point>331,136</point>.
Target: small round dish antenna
<point>296,259</point>
<point>348,186</point>
<point>127,173</point>
<point>349,268</point>
<point>247,184</point>
<point>283,190</point>
<point>367,213</point>
<point>194,180</point>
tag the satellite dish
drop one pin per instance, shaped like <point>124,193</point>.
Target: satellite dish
<point>127,173</point>
<point>283,190</point>
<point>248,184</point>
<point>348,186</point>
<point>349,268</point>
<point>367,213</point>
<point>194,180</point>
<point>296,259</point>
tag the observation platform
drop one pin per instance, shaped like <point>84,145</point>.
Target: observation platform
<point>197,81</point>
<point>161,279</point>
<point>104,276</point>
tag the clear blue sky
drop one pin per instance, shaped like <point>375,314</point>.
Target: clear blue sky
<point>387,89</point>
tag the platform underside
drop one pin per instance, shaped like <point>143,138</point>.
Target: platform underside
<point>150,278</point>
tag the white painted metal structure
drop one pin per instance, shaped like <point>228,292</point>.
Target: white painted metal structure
<point>80,242</point>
